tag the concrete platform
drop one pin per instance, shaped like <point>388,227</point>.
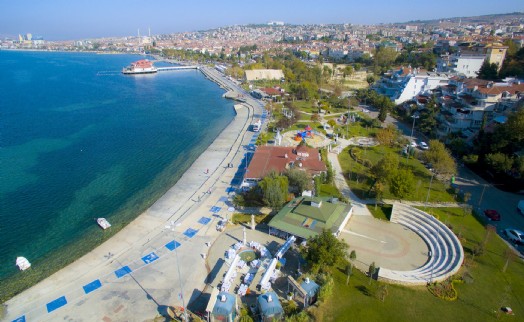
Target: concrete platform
<point>387,244</point>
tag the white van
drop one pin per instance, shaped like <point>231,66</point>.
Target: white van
<point>520,207</point>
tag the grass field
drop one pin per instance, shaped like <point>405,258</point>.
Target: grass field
<point>478,300</point>
<point>360,181</point>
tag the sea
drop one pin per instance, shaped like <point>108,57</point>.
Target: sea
<point>80,140</point>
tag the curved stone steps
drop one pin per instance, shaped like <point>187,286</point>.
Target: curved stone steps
<point>446,250</point>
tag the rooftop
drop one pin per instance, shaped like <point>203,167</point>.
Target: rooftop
<point>308,216</point>
<point>278,158</point>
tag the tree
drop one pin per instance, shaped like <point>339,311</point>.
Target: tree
<point>379,192</point>
<point>440,158</point>
<point>488,71</point>
<point>386,136</point>
<point>348,71</point>
<point>315,117</point>
<point>385,167</point>
<point>500,162</point>
<point>513,64</point>
<point>427,121</point>
<point>382,292</point>
<point>349,271</point>
<point>274,190</point>
<point>332,123</point>
<point>371,271</point>
<point>401,183</point>
<point>299,179</point>
<point>370,79</point>
<point>325,250</point>
<point>385,56</point>
<point>290,307</point>
<point>302,316</point>
<point>353,255</point>
<point>382,114</point>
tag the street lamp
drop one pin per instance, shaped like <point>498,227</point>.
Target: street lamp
<point>482,194</point>
<point>429,188</point>
<point>414,117</point>
<point>179,275</point>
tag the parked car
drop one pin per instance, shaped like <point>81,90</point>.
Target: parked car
<point>492,214</point>
<point>423,145</point>
<point>413,144</point>
<point>514,235</point>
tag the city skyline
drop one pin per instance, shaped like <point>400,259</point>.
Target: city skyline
<point>68,20</point>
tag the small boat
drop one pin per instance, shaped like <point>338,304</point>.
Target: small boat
<point>22,263</point>
<point>103,223</point>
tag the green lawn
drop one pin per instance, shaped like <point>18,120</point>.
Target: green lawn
<point>239,218</point>
<point>382,212</point>
<point>329,190</point>
<point>360,181</point>
<point>478,300</point>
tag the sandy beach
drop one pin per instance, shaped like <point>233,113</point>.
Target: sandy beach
<point>134,276</point>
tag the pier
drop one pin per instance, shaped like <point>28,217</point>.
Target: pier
<point>162,69</point>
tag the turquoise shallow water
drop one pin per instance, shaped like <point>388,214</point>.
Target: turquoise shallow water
<point>76,144</point>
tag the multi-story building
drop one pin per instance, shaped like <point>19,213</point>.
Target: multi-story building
<point>462,64</point>
<point>406,83</point>
<point>467,104</point>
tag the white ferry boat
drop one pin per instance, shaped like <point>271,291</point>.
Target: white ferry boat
<point>143,66</point>
<point>103,223</point>
<point>22,263</point>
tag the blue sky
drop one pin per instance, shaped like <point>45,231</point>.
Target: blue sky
<point>78,19</point>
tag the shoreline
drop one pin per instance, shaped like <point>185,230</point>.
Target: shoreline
<point>175,206</point>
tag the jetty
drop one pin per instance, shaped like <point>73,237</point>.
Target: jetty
<point>163,69</point>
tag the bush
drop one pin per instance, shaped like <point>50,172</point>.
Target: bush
<point>445,290</point>
<point>290,307</point>
<point>326,286</point>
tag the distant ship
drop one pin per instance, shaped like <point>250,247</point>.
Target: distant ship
<point>143,66</point>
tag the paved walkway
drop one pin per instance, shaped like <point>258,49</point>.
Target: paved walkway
<point>359,205</point>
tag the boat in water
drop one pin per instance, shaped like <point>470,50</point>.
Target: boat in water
<point>22,263</point>
<point>103,223</point>
<point>142,66</point>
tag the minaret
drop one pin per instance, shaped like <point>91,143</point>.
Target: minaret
<point>149,32</point>
<point>139,39</point>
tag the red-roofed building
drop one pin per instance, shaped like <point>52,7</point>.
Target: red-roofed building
<point>274,93</point>
<point>279,158</point>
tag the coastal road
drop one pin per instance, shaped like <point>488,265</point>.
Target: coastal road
<point>157,261</point>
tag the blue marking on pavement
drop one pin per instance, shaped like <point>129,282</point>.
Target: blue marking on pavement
<point>94,285</point>
<point>204,220</point>
<point>123,271</point>
<point>172,245</point>
<point>149,258</point>
<point>56,304</point>
<point>223,198</point>
<point>215,209</point>
<point>20,319</point>
<point>190,232</point>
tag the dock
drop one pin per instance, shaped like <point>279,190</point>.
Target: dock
<point>162,69</point>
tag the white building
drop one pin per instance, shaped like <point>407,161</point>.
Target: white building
<point>405,84</point>
<point>467,65</point>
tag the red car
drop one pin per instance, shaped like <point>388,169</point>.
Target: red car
<point>492,214</point>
